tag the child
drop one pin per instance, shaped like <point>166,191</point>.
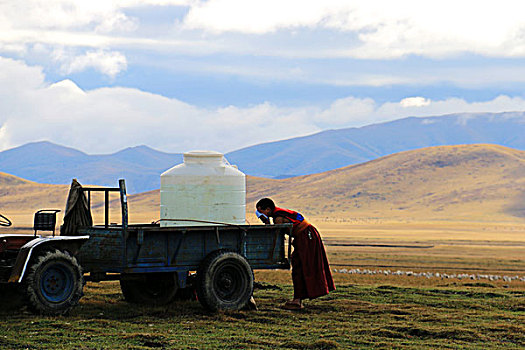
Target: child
<point>311,274</point>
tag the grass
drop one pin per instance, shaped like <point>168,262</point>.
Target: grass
<point>366,311</point>
<point>493,248</point>
<point>362,313</point>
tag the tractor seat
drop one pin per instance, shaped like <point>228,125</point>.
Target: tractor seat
<point>45,220</point>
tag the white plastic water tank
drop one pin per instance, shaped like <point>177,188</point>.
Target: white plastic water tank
<point>205,187</point>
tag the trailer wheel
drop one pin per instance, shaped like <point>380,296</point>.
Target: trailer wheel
<point>151,288</point>
<point>225,281</point>
<point>54,283</point>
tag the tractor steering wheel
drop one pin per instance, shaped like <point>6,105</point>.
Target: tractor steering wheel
<point>4,221</point>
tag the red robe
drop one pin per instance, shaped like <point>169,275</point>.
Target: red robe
<point>311,273</point>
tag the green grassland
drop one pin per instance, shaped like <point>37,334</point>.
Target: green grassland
<point>364,312</point>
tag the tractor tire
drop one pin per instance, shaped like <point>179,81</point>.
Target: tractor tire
<point>224,281</point>
<point>54,283</point>
<point>151,289</point>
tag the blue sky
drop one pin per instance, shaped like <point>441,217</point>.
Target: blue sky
<point>224,74</point>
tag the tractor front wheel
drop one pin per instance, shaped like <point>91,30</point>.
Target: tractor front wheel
<point>54,283</point>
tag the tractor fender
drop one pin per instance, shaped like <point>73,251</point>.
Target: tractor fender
<point>69,243</point>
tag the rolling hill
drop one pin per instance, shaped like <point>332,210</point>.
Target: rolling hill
<point>45,162</point>
<point>468,182</point>
<point>454,183</point>
<point>20,199</point>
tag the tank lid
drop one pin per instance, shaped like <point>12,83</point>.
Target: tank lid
<point>203,157</point>
<point>203,154</point>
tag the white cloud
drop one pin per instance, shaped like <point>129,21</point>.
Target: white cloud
<point>4,137</point>
<point>100,34</point>
<point>370,29</point>
<point>387,29</point>
<point>108,63</point>
<point>452,105</point>
<point>414,102</point>
<point>61,14</point>
<point>107,119</point>
<point>96,24</point>
<point>15,48</point>
<point>347,111</point>
<point>102,15</point>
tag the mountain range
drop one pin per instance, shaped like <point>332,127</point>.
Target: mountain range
<point>474,183</point>
<point>334,149</point>
<point>45,162</point>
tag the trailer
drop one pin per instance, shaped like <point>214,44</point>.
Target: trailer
<point>155,265</point>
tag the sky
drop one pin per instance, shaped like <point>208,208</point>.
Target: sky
<point>180,75</point>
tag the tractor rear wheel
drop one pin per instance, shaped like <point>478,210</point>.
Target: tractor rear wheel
<point>54,283</point>
<point>225,281</point>
<point>150,288</point>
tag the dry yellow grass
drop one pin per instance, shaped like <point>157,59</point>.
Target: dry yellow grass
<point>423,231</point>
<point>449,246</point>
<point>460,183</point>
<point>20,199</point>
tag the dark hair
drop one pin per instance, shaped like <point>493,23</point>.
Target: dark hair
<point>265,203</point>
